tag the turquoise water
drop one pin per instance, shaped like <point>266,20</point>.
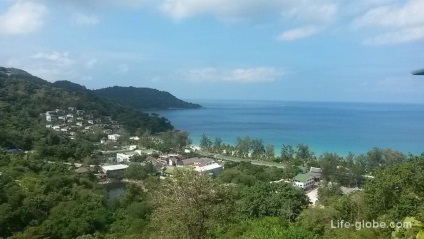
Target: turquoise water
<point>324,127</point>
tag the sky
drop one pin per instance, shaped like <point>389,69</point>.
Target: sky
<point>289,50</point>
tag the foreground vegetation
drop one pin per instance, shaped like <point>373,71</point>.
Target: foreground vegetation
<point>48,200</point>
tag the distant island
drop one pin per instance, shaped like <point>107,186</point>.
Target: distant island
<point>144,98</point>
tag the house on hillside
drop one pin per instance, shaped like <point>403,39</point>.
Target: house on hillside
<point>303,180</point>
<point>125,157</point>
<point>198,161</point>
<point>316,173</point>
<point>114,171</point>
<point>135,138</point>
<point>210,169</point>
<point>113,137</point>
<point>51,118</point>
<point>172,159</point>
<point>80,112</point>
<point>50,113</point>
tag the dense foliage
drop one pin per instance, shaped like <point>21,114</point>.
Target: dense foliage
<point>49,200</point>
<point>23,98</point>
<point>144,98</point>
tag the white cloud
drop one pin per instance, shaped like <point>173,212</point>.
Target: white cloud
<point>407,15</point>
<point>401,23</point>
<point>242,75</point>
<point>84,20</point>
<point>298,33</point>
<point>402,36</point>
<point>319,13</point>
<point>57,57</point>
<point>22,18</point>
<point>301,10</point>
<point>83,4</point>
<point>315,12</point>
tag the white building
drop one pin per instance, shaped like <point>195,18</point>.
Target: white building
<point>136,138</point>
<point>51,118</point>
<point>303,180</point>
<point>211,169</point>
<point>114,170</point>
<point>125,157</point>
<point>113,137</point>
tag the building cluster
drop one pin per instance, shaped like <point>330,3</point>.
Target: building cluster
<point>307,180</point>
<point>168,163</point>
<point>71,120</point>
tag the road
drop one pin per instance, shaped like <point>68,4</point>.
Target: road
<point>252,161</point>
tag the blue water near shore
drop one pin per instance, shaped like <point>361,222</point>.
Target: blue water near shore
<point>324,127</point>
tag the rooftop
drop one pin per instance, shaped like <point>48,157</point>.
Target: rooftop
<point>114,167</point>
<point>208,167</point>
<point>315,170</point>
<point>197,161</point>
<point>301,177</point>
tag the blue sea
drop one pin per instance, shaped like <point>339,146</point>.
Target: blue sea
<point>324,127</point>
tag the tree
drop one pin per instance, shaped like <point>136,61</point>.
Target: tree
<point>269,152</point>
<point>267,228</point>
<point>217,144</point>
<point>136,171</point>
<point>327,191</point>
<point>190,206</point>
<point>243,146</point>
<point>272,199</point>
<point>258,148</point>
<point>287,153</point>
<point>396,191</point>
<point>318,219</point>
<point>205,142</point>
<point>304,152</point>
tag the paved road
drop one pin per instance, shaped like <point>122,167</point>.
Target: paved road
<point>252,161</point>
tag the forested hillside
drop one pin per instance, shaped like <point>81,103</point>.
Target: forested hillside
<point>144,98</point>
<point>23,98</point>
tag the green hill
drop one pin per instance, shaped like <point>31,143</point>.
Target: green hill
<point>144,98</point>
<point>24,98</point>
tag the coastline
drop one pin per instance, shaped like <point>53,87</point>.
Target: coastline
<point>334,127</point>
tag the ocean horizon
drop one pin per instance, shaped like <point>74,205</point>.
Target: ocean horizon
<point>337,127</point>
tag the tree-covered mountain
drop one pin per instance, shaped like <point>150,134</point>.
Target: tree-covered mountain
<point>67,85</point>
<point>24,98</point>
<point>144,98</point>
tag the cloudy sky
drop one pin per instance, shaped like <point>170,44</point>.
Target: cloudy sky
<point>308,50</point>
